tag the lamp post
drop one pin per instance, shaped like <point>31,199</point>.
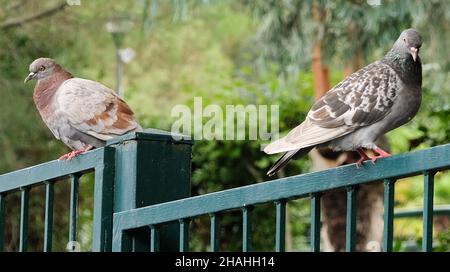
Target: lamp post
<point>118,27</point>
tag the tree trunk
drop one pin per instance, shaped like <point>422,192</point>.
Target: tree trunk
<point>321,77</point>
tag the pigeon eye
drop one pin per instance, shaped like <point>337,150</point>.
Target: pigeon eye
<point>404,39</point>
<point>42,68</point>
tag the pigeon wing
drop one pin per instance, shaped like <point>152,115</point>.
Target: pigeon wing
<point>363,98</point>
<point>94,109</point>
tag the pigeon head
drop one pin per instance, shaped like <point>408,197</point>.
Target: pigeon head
<point>41,68</point>
<point>408,44</point>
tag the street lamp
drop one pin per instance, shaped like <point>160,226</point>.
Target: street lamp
<point>118,27</point>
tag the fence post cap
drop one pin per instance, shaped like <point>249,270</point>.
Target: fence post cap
<point>151,134</point>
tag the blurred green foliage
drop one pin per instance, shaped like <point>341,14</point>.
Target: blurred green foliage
<point>227,52</point>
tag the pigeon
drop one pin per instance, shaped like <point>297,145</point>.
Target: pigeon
<point>82,113</point>
<point>370,102</point>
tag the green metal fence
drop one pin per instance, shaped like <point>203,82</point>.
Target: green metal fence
<point>100,161</point>
<point>142,184</point>
<point>279,192</point>
<point>135,170</point>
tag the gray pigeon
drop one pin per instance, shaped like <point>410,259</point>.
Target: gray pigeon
<point>370,102</point>
<point>82,113</point>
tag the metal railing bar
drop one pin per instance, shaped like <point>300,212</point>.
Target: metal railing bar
<point>280,238</point>
<point>52,170</point>
<point>48,220</point>
<point>350,229</point>
<point>215,228</point>
<point>427,242</point>
<point>418,212</point>
<point>246,228</point>
<point>315,222</point>
<point>184,235</point>
<point>388,229</point>
<point>73,214</point>
<point>24,209</point>
<point>154,238</point>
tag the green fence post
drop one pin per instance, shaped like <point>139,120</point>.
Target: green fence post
<point>350,228</point>
<point>427,240</point>
<point>151,167</point>
<point>389,202</point>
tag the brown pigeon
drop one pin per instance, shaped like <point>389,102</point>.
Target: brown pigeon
<point>352,115</point>
<point>82,113</point>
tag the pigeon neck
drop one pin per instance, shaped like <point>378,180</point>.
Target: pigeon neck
<point>45,88</point>
<point>409,70</point>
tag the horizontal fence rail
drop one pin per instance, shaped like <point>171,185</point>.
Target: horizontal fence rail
<point>423,162</point>
<point>100,161</point>
<point>440,210</point>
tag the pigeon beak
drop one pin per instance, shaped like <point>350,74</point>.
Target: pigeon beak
<point>29,77</point>
<point>414,51</point>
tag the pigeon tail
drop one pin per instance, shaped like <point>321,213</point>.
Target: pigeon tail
<point>306,135</point>
<point>286,158</point>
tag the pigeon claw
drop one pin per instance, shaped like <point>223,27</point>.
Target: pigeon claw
<point>363,157</point>
<point>374,159</point>
<point>381,154</point>
<point>70,155</point>
<point>359,163</point>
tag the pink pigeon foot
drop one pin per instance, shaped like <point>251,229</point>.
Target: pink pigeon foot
<point>381,154</point>
<point>71,155</point>
<point>363,158</point>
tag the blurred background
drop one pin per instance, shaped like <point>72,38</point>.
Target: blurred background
<point>160,53</point>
